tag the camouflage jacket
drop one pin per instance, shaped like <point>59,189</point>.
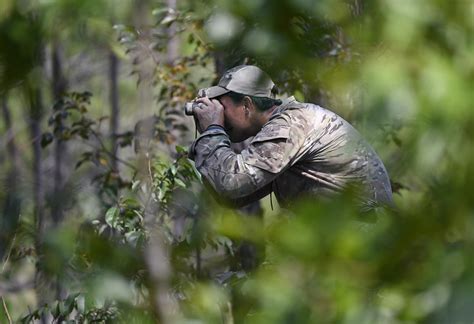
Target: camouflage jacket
<point>302,150</point>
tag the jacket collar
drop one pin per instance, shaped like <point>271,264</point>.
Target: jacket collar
<point>285,104</point>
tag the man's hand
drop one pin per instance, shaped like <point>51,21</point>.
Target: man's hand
<point>209,112</point>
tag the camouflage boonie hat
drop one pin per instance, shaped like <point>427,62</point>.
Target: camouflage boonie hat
<point>244,79</point>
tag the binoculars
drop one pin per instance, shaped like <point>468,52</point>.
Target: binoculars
<point>190,106</point>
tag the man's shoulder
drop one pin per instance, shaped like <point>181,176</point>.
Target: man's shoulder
<point>276,128</point>
<point>287,123</point>
<point>297,115</point>
<point>291,107</point>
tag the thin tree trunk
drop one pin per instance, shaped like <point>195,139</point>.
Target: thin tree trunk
<point>157,257</point>
<point>357,8</point>
<point>11,144</point>
<point>59,87</point>
<point>36,107</point>
<point>35,115</point>
<point>173,43</point>
<point>141,13</point>
<point>220,63</point>
<point>114,105</point>
<point>11,208</point>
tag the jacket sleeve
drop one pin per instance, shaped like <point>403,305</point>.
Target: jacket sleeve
<point>249,174</point>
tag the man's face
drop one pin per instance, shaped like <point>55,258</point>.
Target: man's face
<point>236,121</point>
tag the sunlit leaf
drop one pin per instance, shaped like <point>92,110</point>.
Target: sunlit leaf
<point>111,216</point>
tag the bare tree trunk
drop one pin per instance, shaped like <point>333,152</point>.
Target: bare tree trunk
<point>114,105</point>
<point>59,87</point>
<point>173,43</point>
<point>141,17</point>
<point>35,116</point>
<point>159,269</point>
<point>11,208</point>
<point>156,253</point>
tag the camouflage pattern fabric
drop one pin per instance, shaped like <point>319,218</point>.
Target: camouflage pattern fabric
<point>302,150</point>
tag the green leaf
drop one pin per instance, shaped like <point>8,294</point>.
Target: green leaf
<point>133,237</point>
<point>119,27</point>
<point>27,319</point>
<point>102,229</point>
<point>161,194</point>
<point>55,311</point>
<point>130,203</point>
<point>135,184</point>
<point>80,304</point>
<point>181,150</point>
<point>168,20</point>
<point>180,182</point>
<point>159,12</point>
<point>138,214</point>
<point>111,216</point>
<point>70,302</point>
<point>62,309</point>
<point>173,170</point>
<point>46,139</point>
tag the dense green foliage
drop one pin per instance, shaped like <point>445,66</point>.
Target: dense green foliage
<point>105,226</point>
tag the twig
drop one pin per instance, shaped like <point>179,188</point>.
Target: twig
<point>102,145</point>
<point>9,252</point>
<point>6,311</point>
<point>149,170</point>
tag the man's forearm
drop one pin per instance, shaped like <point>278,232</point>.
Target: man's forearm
<point>225,170</point>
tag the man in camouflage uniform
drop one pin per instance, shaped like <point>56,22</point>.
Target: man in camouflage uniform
<point>298,149</point>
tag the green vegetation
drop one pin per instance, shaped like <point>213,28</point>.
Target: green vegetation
<point>104,219</point>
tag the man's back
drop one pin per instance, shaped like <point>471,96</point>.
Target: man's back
<point>318,153</point>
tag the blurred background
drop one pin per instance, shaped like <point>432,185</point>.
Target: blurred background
<point>104,219</point>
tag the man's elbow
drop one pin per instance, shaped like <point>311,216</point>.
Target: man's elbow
<point>235,187</point>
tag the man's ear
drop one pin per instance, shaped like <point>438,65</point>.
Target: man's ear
<point>248,104</point>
